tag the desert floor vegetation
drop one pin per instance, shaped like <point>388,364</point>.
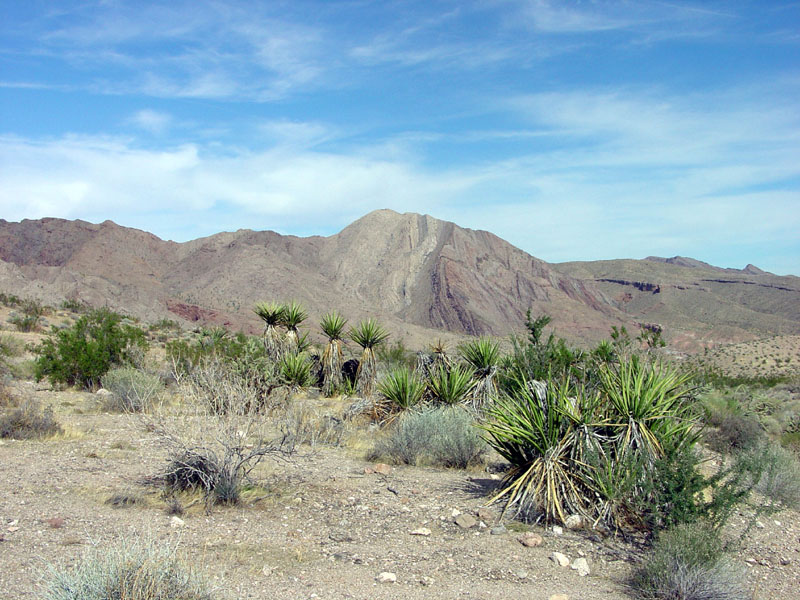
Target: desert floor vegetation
<point>253,456</point>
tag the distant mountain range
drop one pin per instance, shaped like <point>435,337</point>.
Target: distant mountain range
<point>421,276</point>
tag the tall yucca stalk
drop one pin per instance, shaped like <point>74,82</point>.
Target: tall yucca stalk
<point>483,355</point>
<point>367,334</point>
<point>272,314</point>
<point>293,315</point>
<point>649,408</point>
<point>451,386</point>
<point>332,326</point>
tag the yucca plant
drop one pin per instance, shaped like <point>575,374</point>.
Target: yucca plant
<point>451,386</point>
<point>293,314</point>
<point>648,407</point>
<point>272,314</point>
<point>402,388</point>
<point>332,326</point>
<point>440,357</point>
<point>295,370</point>
<point>483,355</point>
<point>368,334</point>
<point>531,430</point>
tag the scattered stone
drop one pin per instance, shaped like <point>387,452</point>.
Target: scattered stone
<point>103,392</point>
<point>484,514</point>
<point>382,469</point>
<point>522,574</point>
<point>13,529</point>
<point>530,539</point>
<point>455,512</point>
<point>560,559</point>
<point>56,522</point>
<point>760,525</point>
<point>386,577</point>
<point>176,522</point>
<point>495,477</point>
<point>340,535</point>
<point>427,581</point>
<point>574,522</point>
<point>465,521</point>
<point>423,531</point>
<point>581,565</point>
<point>558,530</point>
<point>786,562</point>
<point>498,530</point>
<point>558,597</point>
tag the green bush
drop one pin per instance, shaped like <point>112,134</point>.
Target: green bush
<point>442,437</point>
<point>735,432</point>
<point>402,389</point>
<point>133,390</point>
<point>80,355</point>
<point>29,421</point>
<point>295,370</point>
<point>133,570</point>
<point>688,563</point>
<point>451,386</point>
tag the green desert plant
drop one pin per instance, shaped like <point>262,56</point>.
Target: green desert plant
<point>293,314</point>
<point>483,355</point>
<point>332,326</point>
<point>368,334</point>
<point>80,355</point>
<point>295,370</point>
<point>442,437</point>
<point>402,389</point>
<point>451,386</point>
<point>272,315</point>
<point>132,389</point>
<point>135,569</point>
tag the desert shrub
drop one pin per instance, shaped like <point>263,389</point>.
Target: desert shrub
<point>24,323</point>
<point>9,300</point>
<point>483,355</point>
<point>29,421</point>
<point>303,422</point>
<point>80,355</point>
<point>442,437</point>
<point>780,478</point>
<point>395,355</point>
<point>688,563</point>
<point>735,432</point>
<point>451,386</point>
<point>132,570</point>
<point>220,436</point>
<point>295,370</point>
<point>133,390</point>
<point>75,305</point>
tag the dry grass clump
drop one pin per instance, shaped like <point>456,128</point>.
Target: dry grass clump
<point>132,390</point>
<point>133,570</point>
<point>29,421</point>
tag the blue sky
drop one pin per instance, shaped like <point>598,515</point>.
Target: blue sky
<point>575,130</point>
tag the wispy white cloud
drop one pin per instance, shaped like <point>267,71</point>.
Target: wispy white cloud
<point>152,121</point>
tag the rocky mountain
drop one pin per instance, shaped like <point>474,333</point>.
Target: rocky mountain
<point>420,275</point>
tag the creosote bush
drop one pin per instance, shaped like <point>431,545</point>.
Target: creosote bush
<point>132,570</point>
<point>80,355</point>
<point>441,437</point>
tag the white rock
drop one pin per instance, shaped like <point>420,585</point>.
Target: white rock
<point>424,531</point>
<point>455,513</point>
<point>558,597</point>
<point>176,522</point>
<point>386,577</point>
<point>581,565</point>
<point>574,522</point>
<point>560,559</point>
<point>558,530</point>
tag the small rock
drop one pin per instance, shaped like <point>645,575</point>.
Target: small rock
<point>484,514</point>
<point>495,477</point>
<point>465,521</point>
<point>423,531</point>
<point>386,577</point>
<point>13,529</point>
<point>103,392</point>
<point>522,574</point>
<point>530,539</point>
<point>558,530</point>
<point>340,535</point>
<point>56,522</point>
<point>573,522</point>
<point>427,581</point>
<point>498,530</point>
<point>760,525</point>
<point>786,562</point>
<point>455,512</point>
<point>382,469</point>
<point>558,597</point>
<point>581,565</point>
<point>560,559</point>
<point>176,522</point>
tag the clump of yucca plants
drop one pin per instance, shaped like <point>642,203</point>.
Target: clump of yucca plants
<point>483,355</point>
<point>368,334</point>
<point>295,370</point>
<point>272,315</point>
<point>332,326</point>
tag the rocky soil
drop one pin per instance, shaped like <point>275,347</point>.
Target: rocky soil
<point>326,524</point>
